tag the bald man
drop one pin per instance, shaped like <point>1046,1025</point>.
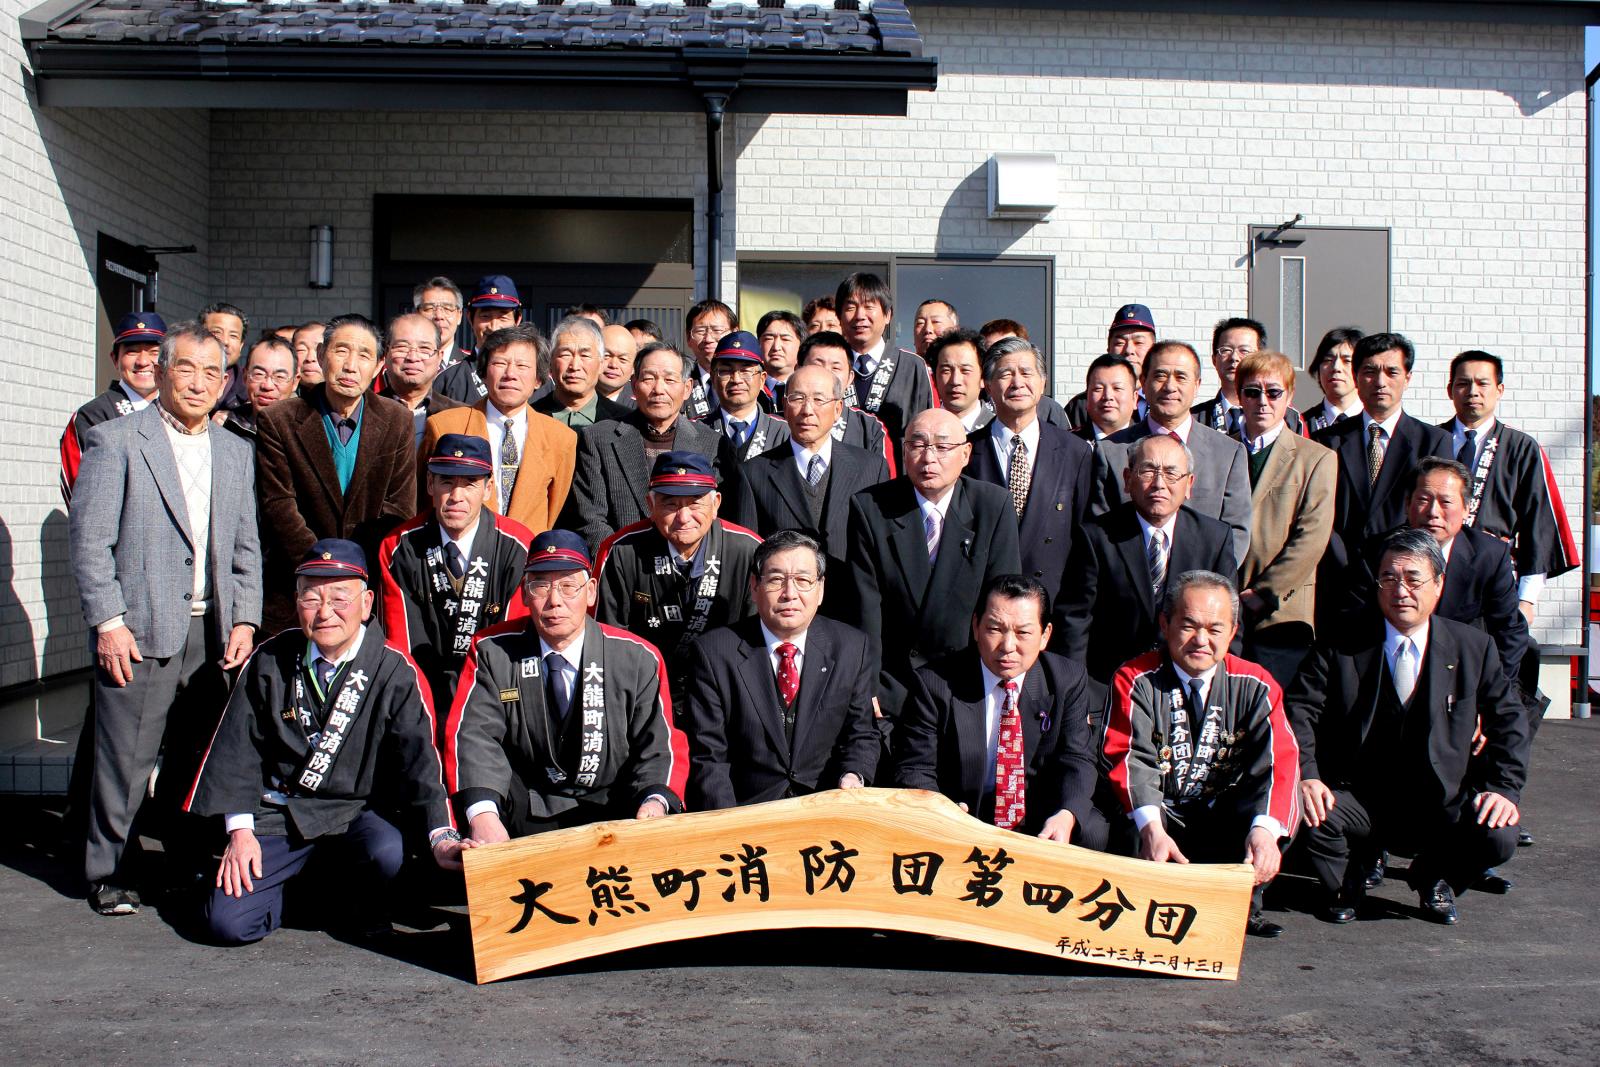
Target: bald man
<point>923,546</point>
<point>616,366</point>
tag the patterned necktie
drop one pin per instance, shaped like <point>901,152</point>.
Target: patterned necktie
<point>1374,453</point>
<point>508,467</point>
<point>1405,671</point>
<point>454,561</point>
<point>325,672</point>
<point>930,530</point>
<point>815,470</point>
<point>1018,476</point>
<point>1156,559</point>
<point>1469,450</point>
<point>560,690</point>
<point>1010,771</point>
<point>788,673</point>
<point>736,431</point>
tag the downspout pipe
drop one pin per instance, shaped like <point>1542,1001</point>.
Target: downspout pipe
<point>1580,705</point>
<point>716,110</point>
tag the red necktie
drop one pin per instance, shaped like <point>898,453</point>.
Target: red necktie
<point>1010,772</point>
<point>788,676</point>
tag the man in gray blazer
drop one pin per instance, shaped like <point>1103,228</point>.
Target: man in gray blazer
<point>1221,491</point>
<point>615,456</point>
<point>167,556</point>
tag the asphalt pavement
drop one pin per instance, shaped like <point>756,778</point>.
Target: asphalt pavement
<point>1514,982</point>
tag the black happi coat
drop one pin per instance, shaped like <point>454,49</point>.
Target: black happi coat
<point>502,731</point>
<point>261,744</point>
<point>1518,502</point>
<point>422,606</point>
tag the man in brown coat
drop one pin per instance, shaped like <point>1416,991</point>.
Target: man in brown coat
<point>1292,483</point>
<point>336,462</point>
<point>533,454</point>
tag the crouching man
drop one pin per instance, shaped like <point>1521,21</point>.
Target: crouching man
<point>324,720</point>
<point>560,720</point>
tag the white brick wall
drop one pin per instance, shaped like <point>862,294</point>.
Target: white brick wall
<point>1465,139</point>
<point>64,175</point>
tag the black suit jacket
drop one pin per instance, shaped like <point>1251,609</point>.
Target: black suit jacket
<point>1058,496</point>
<point>941,743</point>
<point>770,497</point>
<point>922,611</point>
<point>739,752</point>
<point>1363,510</point>
<point>1107,613</point>
<point>1480,589</point>
<point>1334,698</point>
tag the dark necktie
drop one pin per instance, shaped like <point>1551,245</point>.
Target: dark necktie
<point>508,467</point>
<point>1197,710</point>
<point>815,470</point>
<point>454,561</point>
<point>325,672</point>
<point>736,431</point>
<point>560,689</point>
<point>1469,450</point>
<point>1340,417</point>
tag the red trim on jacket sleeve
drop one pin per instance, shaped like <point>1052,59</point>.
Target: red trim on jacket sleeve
<point>464,686</point>
<point>71,459</point>
<point>1118,744</point>
<point>1558,512</point>
<point>392,605</point>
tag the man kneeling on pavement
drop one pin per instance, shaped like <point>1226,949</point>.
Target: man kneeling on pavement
<point>324,720</point>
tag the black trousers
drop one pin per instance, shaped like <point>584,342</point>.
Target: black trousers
<point>1204,834</point>
<point>1455,850</point>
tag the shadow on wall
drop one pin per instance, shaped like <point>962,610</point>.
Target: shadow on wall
<point>16,628</point>
<point>965,228</point>
<point>65,637</point>
<point>1142,46</point>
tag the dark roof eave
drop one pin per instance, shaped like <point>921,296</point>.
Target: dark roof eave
<point>357,76</point>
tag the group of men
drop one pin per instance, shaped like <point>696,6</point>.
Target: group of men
<point>464,595</point>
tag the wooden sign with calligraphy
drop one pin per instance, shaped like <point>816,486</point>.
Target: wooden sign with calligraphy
<point>889,859</point>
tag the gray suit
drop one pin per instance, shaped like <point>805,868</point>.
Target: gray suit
<point>613,475</point>
<point>1221,477</point>
<point>133,555</point>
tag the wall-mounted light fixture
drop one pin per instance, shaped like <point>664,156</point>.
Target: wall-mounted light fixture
<point>320,272</point>
<point>1022,185</point>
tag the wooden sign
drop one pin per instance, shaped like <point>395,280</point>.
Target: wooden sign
<point>889,859</point>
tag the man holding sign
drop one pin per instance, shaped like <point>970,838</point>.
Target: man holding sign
<point>565,721</point>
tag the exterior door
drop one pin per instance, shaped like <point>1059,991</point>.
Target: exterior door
<point>124,279</point>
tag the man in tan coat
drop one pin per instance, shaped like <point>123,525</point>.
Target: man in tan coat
<point>533,454</point>
<point>1291,518</point>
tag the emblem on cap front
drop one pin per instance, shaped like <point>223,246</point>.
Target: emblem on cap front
<point>327,555</point>
<point>493,291</point>
<point>457,453</point>
<point>550,548</point>
<point>681,470</point>
<point>142,326</point>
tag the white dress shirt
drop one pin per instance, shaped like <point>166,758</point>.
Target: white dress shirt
<point>1387,425</point>
<point>1334,412</point>
<point>773,641</point>
<point>497,420</point>
<point>873,354</point>
<point>139,402</point>
<point>1392,640</point>
<point>1182,429</point>
<point>1166,529</point>
<point>1266,440</point>
<point>928,507</point>
<point>802,456</point>
<point>969,421</point>
<point>464,542</point>
<point>1000,437</point>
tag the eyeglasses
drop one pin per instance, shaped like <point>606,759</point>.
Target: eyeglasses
<point>568,588</point>
<point>1230,350</point>
<point>429,309</point>
<point>1256,392</point>
<point>723,369</point>
<point>406,348</point>
<point>312,602</point>
<point>919,448</point>
<point>700,333</point>
<point>800,400</point>
<point>1407,582</point>
<point>775,583</point>
<point>261,374</point>
<point>1147,472</point>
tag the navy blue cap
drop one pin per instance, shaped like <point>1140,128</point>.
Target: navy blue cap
<point>334,558</point>
<point>495,291</point>
<point>558,550</point>
<point>740,345</point>
<point>1133,317</point>
<point>461,454</point>
<point>139,326</point>
<point>682,474</point>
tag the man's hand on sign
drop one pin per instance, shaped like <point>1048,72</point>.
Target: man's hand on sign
<point>487,829</point>
<point>1157,845</point>
<point>1261,852</point>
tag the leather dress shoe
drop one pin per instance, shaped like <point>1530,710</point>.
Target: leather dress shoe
<point>1439,903</point>
<point>1343,906</point>
<point>1492,881</point>
<point>1372,874</point>
<point>1524,839</point>
<point>1261,926</point>
<point>110,899</point>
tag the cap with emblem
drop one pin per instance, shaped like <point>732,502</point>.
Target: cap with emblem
<point>1133,317</point>
<point>558,550</point>
<point>495,291</point>
<point>332,557</point>
<point>741,345</point>
<point>139,327</point>
<point>682,474</point>
<point>461,454</point>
